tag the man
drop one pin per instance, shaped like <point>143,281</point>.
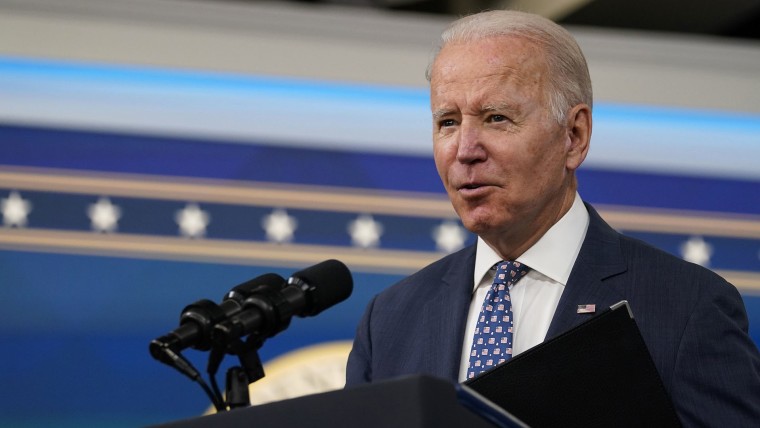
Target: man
<point>511,102</point>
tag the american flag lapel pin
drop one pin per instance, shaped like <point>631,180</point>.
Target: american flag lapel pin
<point>586,309</point>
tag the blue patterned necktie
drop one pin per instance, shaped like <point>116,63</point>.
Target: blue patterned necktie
<point>492,341</point>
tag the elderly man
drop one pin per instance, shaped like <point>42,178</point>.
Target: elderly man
<point>511,102</point>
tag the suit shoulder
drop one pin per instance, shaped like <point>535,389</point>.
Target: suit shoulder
<point>641,255</point>
<point>431,274</point>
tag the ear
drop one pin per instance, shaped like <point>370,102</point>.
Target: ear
<point>579,135</point>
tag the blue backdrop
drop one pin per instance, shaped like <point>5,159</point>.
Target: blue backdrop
<point>80,305</point>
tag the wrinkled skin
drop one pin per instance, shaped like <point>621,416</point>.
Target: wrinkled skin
<point>507,165</point>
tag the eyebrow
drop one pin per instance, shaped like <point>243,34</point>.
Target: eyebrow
<point>497,107</point>
<point>483,109</point>
<point>441,113</point>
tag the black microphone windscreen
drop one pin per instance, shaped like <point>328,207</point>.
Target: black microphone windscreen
<point>244,290</point>
<point>330,283</point>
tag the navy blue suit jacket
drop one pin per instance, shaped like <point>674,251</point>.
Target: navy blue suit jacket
<point>693,322</point>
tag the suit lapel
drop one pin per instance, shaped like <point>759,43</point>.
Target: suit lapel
<point>600,258</point>
<point>446,312</point>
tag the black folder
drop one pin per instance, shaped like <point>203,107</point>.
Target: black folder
<point>598,374</point>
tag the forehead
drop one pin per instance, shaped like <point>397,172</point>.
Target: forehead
<point>495,56</point>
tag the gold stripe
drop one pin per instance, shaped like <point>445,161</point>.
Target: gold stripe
<point>230,192</point>
<point>249,253</point>
<point>685,222</point>
<point>748,282</point>
<point>213,250</point>
<point>413,204</point>
<point>306,197</point>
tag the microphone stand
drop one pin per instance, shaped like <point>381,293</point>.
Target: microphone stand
<point>238,377</point>
<point>164,352</point>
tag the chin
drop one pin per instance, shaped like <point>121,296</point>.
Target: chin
<point>482,215</point>
<point>482,222</point>
<point>476,226</point>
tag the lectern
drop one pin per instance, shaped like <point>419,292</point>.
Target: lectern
<point>410,402</point>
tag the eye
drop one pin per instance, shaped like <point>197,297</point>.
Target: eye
<point>445,123</point>
<point>498,118</point>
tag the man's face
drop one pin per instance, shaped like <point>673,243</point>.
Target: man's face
<point>502,158</point>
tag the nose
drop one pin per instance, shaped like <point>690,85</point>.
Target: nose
<point>470,147</point>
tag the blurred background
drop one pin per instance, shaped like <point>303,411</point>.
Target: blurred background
<point>157,152</point>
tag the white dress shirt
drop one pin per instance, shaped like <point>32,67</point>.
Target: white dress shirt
<point>535,297</point>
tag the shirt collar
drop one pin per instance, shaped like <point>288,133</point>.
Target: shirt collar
<point>553,255</point>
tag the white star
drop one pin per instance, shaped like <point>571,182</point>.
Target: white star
<point>279,226</point>
<point>696,250</point>
<point>15,210</point>
<point>365,231</point>
<point>192,221</point>
<point>449,236</point>
<point>104,215</point>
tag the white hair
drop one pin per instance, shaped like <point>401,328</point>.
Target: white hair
<point>569,80</point>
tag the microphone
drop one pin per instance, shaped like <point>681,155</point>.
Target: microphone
<point>307,293</point>
<point>198,319</point>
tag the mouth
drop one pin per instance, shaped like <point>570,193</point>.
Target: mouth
<point>472,185</point>
<point>473,190</point>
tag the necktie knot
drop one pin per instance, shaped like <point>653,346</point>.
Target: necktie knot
<point>509,272</point>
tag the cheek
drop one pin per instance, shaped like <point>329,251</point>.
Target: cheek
<point>443,159</point>
<point>533,171</point>
<point>551,173</point>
